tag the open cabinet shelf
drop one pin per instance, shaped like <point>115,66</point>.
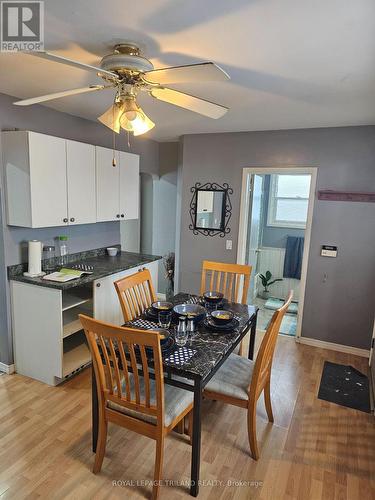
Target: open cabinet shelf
<point>75,298</point>
<point>71,322</point>
<point>76,353</point>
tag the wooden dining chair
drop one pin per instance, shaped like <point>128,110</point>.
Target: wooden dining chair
<point>127,396</point>
<point>226,278</point>
<point>136,293</point>
<point>241,381</point>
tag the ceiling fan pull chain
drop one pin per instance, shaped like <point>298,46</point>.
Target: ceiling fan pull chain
<point>128,139</point>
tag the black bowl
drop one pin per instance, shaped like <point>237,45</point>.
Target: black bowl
<point>194,311</point>
<point>221,317</point>
<point>161,305</point>
<point>213,297</point>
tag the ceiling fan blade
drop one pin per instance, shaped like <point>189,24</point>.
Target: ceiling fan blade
<point>71,62</point>
<point>111,117</point>
<point>57,95</point>
<point>202,72</point>
<point>190,102</point>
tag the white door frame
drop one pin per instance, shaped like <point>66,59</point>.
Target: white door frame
<point>243,222</point>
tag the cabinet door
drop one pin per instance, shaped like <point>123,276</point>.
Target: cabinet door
<point>106,302</point>
<point>129,186</point>
<point>107,185</point>
<point>153,267</point>
<point>80,164</point>
<point>47,157</point>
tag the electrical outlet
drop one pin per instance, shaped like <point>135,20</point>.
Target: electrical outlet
<point>228,245</point>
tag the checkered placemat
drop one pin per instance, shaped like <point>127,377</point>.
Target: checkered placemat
<point>144,324</point>
<point>180,356</point>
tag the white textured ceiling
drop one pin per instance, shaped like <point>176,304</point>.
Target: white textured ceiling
<point>293,63</point>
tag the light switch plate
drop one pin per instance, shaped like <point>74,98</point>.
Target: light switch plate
<point>228,245</point>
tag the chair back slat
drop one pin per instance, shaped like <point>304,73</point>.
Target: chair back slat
<point>263,363</point>
<point>115,367</point>
<point>227,279</point>
<point>121,366</point>
<point>136,293</point>
<point>146,376</point>
<point>212,280</point>
<point>134,366</point>
<point>124,363</point>
<point>107,365</point>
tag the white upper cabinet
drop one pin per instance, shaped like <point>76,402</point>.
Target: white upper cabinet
<point>107,185</point>
<point>117,188</point>
<point>129,186</point>
<point>56,182</point>
<point>80,165</point>
<point>35,168</point>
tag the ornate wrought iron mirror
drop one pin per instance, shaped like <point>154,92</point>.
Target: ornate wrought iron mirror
<point>210,209</point>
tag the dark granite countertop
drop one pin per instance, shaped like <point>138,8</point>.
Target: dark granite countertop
<point>103,264</point>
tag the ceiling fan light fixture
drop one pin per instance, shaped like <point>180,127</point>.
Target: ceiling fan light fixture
<point>111,117</point>
<point>139,125</point>
<point>130,108</point>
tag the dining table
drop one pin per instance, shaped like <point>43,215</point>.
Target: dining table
<point>205,352</point>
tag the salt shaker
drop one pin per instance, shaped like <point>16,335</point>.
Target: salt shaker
<point>181,327</point>
<point>190,325</point>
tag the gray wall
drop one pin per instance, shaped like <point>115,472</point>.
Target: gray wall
<point>48,121</point>
<point>274,236</point>
<point>158,208</point>
<point>165,207</point>
<point>338,308</point>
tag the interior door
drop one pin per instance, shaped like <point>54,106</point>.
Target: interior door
<point>80,165</point>
<point>47,156</point>
<point>129,186</point>
<point>107,185</point>
<point>255,229</point>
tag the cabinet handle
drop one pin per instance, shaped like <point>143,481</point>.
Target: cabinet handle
<point>72,219</point>
<point>118,216</point>
<point>65,219</point>
<point>98,285</point>
<point>122,215</point>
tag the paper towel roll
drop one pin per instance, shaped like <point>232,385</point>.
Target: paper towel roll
<point>35,257</point>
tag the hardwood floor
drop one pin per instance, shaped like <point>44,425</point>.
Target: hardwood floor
<point>314,450</point>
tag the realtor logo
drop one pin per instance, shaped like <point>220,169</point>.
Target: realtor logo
<point>22,26</point>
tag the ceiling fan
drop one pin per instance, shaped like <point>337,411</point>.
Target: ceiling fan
<point>128,72</point>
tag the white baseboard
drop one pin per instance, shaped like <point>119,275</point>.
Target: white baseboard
<point>334,347</point>
<point>8,369</point>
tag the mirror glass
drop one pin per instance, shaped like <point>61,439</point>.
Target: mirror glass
<point>210,209</point>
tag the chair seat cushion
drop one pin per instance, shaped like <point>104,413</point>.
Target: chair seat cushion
<point>233,377</point>
<point>176,400</point>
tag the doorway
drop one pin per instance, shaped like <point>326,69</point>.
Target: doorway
<point>274,237</point>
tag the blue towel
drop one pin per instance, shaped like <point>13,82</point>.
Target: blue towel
<point>293,257</point>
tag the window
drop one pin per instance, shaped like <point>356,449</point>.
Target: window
<point>288,200</point>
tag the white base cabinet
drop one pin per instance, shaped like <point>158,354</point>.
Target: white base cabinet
<point>49,344</point>
<point>106,303</point>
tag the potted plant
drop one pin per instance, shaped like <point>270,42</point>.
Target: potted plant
<point>267,281</point>
<point>168,261</point>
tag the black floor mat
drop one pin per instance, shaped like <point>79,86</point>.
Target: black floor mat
<point>345,386</point>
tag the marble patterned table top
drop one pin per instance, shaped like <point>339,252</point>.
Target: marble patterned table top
<point>210,347</point>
